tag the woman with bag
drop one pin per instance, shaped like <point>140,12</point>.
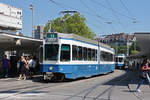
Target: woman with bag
<point>144,74</point>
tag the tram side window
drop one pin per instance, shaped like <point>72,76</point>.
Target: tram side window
<point>110,57</point>
<point>105,56</point>
<point>65,52</point>
<point>80,53</point>
<point>89,54</point>
<point>102,56</point>
<point>93,54</point>
<point>85,54</point>
<point>74,52</point>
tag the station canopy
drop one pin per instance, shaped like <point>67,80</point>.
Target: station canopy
<point>12,42</point>
<point>144,43</point>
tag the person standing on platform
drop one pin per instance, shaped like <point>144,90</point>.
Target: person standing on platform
<point>31,66</point>
<point>23,64</point>
<point>5,65</point>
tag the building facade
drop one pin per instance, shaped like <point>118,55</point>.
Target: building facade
<point>10,17</point>
<point>120,39</point>
<point>38,32</point>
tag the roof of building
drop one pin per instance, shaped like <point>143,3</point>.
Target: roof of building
<point>13,41</point>
<point>119,36</point>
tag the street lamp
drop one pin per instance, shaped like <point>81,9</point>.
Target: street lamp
<point>31,7</point>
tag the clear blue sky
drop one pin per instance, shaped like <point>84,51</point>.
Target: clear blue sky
<point>121,14</point>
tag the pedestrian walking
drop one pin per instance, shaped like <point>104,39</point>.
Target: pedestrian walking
<point>5,65</point>
<point>143,74</point>
<point>23,64</point>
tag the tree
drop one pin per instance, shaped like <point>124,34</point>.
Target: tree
<point>120,49</point>
<point>134,52</point>
<point>134,48</point>
<point>73,23</point>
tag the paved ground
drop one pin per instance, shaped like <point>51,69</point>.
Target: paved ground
<point>119,85</point>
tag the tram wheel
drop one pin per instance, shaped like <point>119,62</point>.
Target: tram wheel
<point>60,77</point>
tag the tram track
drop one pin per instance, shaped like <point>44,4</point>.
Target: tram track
<point>138,97</point>
<point>29,88</point>
<point>88,91</point>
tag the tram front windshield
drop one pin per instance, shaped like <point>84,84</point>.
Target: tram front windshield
<point>121,60</point>
<point>51,52</point>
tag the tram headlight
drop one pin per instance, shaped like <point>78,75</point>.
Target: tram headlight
<point>50,68</point>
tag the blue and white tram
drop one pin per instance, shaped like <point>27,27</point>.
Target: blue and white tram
<point>71,56</point>
<point>120,61</point>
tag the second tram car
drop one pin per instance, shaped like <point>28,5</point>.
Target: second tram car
<point>120,61</point>
<point>71,56</point>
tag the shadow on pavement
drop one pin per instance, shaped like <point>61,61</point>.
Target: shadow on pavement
<point>18,92</point>
<point>122,80</point>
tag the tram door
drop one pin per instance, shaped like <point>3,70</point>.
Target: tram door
<point>13,63</point>
<point>41,54</point>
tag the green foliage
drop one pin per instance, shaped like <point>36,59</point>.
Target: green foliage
<point>133,52</point>
<point>133,49</point>
<point>134,46</point>
<point>73,23</point>
<point>120,49</point>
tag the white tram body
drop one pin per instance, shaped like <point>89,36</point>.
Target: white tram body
<point>72,56</point>
<point>120,60</point>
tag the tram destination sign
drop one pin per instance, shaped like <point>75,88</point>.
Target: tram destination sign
<point>51,37</point>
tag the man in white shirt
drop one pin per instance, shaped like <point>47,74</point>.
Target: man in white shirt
<point>31,66</point>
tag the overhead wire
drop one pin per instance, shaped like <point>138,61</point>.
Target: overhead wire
<point>90,9</point>
<point>112,27</point>
<point>64,6</point>
<point>134,20</point>
<point>86,12</point>
<point>126,8</point>
<point>99,16</point>
<point>108,3</point>
<point>121,14</point>
<point>57,3</point>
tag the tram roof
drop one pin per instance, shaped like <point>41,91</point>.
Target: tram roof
<point>143,41</point>
<point>8,41</point>
<point>83,39</point>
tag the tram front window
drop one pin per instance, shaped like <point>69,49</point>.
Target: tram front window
<point>51,51</point>
<point>120,59</point>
